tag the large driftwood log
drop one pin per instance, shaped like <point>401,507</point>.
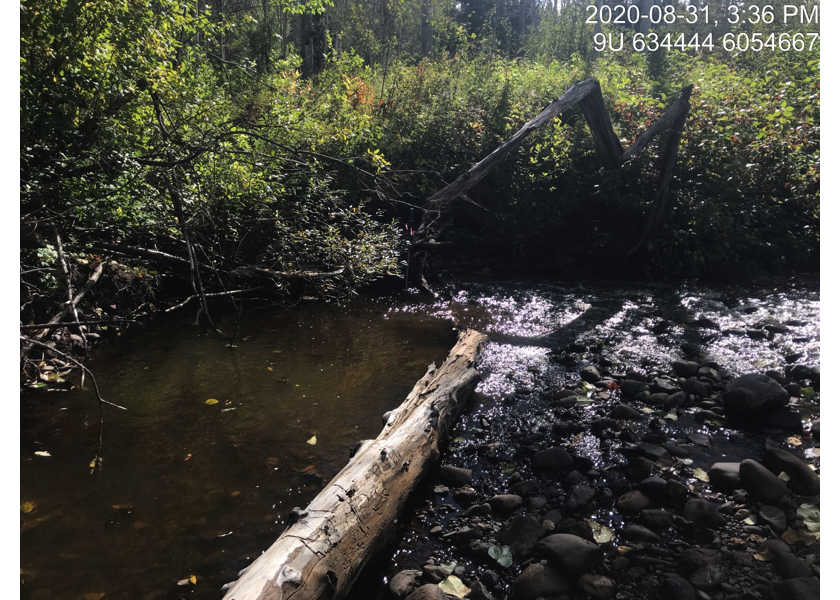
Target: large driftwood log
<point>322,553</point>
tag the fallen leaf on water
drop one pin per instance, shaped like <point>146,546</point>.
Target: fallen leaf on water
<point>189,456</point>
<point>810,514</point>
<point>42,453</point>
<point>701,475</point>
<point>501,554</point>
<point>183,582</point>
<point>27,507</point>
<point>453,585</point>
<point>224,534</point>
<point>211,401</point>
<point>312,441</point>
<point>548,524</point>
<point>601,533</point>
<point>784,476</point>
<point>764,555</point>
<point>270,368</point>
<point>798,538</point>
<point>794,440</point>
<point>449,567</point>
<point>750,520</point>
<point>93,596</point>
<point>193,579</point>
<point>235,493</point>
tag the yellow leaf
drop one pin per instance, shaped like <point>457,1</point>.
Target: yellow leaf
<point>211,401</point>
<point>312,441</point>
<point>27,507</point>
<point>193,579</point>
<point>189,456</point>
<point>794,440</point>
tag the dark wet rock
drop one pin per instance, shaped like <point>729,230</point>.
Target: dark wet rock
<point>664,385</point>
<point>701,439</point>
<point>774,517</point>
<point>468,533</point>
<point>685,368</point>
<point>455,476</point>
<point>803,480</point>
<point>605,497</point>
<point>678,451</point>
<point>479,549</point>
<point>490,578</point>
<point>787,419</point>
<point>801,588</point>
<point>653,486</point>
<point>656,518</point>
<point>525,488</point>
<point>803,372</point>
<point>741,559</point>
<point>694,559</point>
<point>633,389</point>
<point>430,591</point>
<point>676,400</point>
<point>579,496</point>
<point>790,567</point>
<point>626,413</point>
<point>754,395</point>
<point>403,583</point>
<point>651,451</point>
<point>725,476</point>
<point>676,588</point>
<point>552,459</point>
<point>698,388</point>
<point>703,513</point>
<point>639,533</point>
<point>571,554</point>
<point>596,586</point>
<point>676,489</point>
<point>776,547</point>
<point>633,501</point>
<point>708,578</point>
<point>575,527</point>
<point>539,580</point>
<point>434,573</point>
<point>464,495</point>
<point>600,425</point>
<point>505,503</point>
<point>706,415</point>
<point>815,430</point>
<point>590,374</point>
<point>794,389</point>
<point>657,399</point>
<point>521,533</point>
<point>761,483</point>
<point>639,468</point>
<point>555,516</point>
<point>566,428</point>
<point>478,591</point>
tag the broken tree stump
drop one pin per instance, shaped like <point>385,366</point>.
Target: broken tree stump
<point>323,551</point>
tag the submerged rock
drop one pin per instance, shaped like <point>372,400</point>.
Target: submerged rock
<point>754,395</point>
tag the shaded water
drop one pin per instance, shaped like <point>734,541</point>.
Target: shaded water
<point>189,488</point>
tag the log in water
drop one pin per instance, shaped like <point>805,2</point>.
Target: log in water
<point>322,553</point>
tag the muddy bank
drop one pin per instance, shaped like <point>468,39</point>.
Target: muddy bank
<point>614,450</point>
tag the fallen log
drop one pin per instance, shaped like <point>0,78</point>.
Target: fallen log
<point>323,551</point>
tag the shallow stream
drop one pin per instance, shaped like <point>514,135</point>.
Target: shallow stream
<point>192,488</point>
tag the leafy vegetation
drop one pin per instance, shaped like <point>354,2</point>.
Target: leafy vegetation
<point>197,150</point>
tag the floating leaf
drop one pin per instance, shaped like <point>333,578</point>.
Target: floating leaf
<point>312,441</point>
<point>687,461</point>
<point>502,555</point>
<point>508,467</point>
<point>193,579</point>
<point>548,524</point>
<point>27,507</point>
<point>701,474</point>
<point>798,538</point>
<point>187,457</point>
<point>750,520</point>
<point>810,514</point>
<point>454,586</point>
<point>808,393</point>
<point>671,416</point>
<point>211,401</point>
<point>449,567</point>
<point>601,533</point>
<point>784,476</point>
<point>764,555</point>
<point>794,440</point>
<point>42,453</point>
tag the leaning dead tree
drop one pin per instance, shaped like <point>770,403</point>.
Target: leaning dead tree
<point>326,546</point>
<point>586,94</point>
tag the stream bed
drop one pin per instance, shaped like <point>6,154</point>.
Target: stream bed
<point>219,444</point>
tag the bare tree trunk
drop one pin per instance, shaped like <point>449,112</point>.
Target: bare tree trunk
<point>325,548</point>
<point>426,33</point>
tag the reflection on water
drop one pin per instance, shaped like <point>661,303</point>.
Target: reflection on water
<point>190,488</point>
